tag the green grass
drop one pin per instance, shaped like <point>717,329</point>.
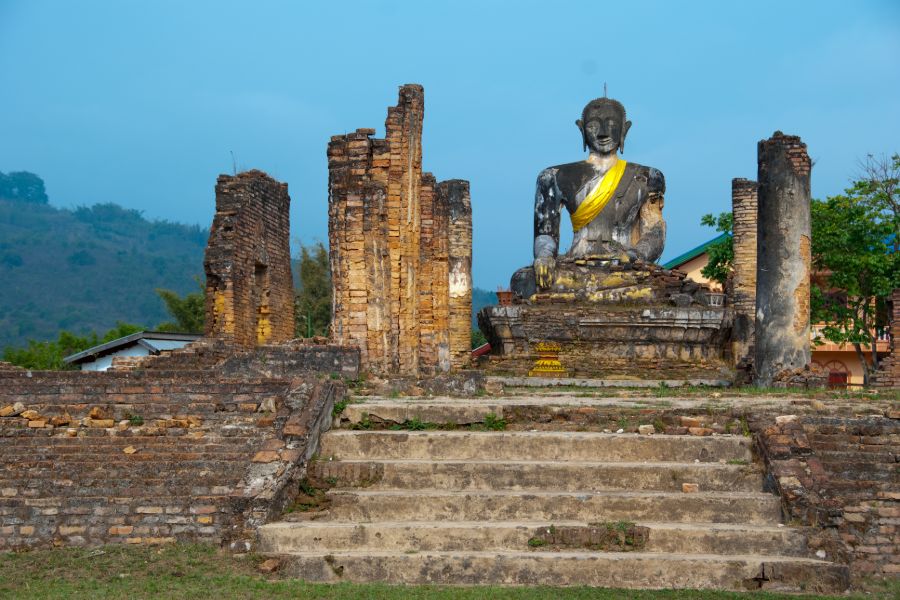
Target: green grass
<point>199,571</point>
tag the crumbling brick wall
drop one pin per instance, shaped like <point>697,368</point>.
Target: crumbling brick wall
<point>888,375</point>
<point>839,475</point>
<point>249,287</point>
<point>152,457</point>
<point>390,230</point>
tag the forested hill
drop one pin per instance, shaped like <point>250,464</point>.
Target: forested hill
<point>85,269</point>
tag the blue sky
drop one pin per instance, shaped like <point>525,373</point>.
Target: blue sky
<point>141,103</point>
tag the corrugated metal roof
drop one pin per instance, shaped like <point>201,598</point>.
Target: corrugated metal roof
<point>690,254</point>
<point>143,338</point>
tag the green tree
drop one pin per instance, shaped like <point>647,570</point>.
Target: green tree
<point>188,312</point>
<point>854,247</point>
<point>24,187</point>
<point>312,302</point>
<point>880,182</point>
<point>48,356</point>
<point>721,253</point>
<point>478,339</point>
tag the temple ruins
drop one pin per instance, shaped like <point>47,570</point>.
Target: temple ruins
<point>400,249</point>
<point>783,258</point>
<point>249,287</point>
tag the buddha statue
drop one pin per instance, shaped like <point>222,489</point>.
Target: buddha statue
<point>615,206</point>
<point>604,308</point>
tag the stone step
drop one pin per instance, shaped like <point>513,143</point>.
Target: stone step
<point>525,445</point>
<point>548,506</point>
<point>566,476</point>
<point>614,569</point>
<point>564,407</point>
<point>400,411</point>
<point>455,536</point>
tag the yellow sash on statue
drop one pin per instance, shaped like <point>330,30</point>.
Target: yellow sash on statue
<point>598,198</point>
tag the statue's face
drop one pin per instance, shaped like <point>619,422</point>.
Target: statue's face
<point>603,130</point>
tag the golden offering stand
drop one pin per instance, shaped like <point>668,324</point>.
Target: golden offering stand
<point>547,363</point>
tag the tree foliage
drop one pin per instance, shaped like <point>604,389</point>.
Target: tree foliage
<point>48,356</point>
<point>312,303</point>
<point>854,247</point>
<point>82,270</point>
<point>188,312</point>
<point>23,186</point>
<point>721,253</point>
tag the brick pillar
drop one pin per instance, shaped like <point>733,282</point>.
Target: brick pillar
<point>249,286</point>
<point>349,191</point>
<point>460,271</point>
<point>440,278</point>
<point>888,375</point>
<point>404,134</point>
<point>743,297</point>
<point>388,236</point>
<point>783,258</point>
<point>427,239</point>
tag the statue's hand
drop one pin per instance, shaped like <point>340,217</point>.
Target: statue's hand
<point>544,271</point>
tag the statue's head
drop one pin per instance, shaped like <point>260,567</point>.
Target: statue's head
<point>603,126</point>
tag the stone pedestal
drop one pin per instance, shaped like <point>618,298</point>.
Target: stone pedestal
<point>636,320</point>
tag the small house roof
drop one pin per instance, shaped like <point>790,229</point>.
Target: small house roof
<point>146,339</point>
<point>695,252</point>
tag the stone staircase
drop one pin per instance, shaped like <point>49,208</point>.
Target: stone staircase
<point>464,506</point>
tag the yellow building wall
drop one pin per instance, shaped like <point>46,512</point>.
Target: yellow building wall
<point>693,268</point>
<point>847,358</point>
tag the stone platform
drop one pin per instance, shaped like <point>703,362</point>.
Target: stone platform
<point>632,319</point>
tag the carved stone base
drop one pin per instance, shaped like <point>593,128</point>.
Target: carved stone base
<point>645,342</point>
<point>606,281</point>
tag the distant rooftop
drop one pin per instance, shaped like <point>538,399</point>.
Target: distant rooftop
<point>153,341</point>
<point>694,253</point>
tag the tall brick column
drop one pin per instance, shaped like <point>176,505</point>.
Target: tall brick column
<point>783,258</point>
<point>888,375</point>
<point>743,299</point>
<point>389,232</point>
<point>249,287</point>
<point>456,193</point>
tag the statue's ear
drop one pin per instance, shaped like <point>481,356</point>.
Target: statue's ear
<point>580,124</point>
<point>625,129</point>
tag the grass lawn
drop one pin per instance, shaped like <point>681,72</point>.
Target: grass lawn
<point>196,571</point>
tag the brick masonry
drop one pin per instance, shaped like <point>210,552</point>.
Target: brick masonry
<point>249,287</point>
<point>151,457</point>
<point>839,475</point>
<point>743,282</point>
<point>390,230</point>
<point>888,375</point>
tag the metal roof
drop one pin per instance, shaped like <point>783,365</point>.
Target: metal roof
<point>141,338</point>
<point>691,254</point>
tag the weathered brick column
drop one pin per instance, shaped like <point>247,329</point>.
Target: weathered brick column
<point>783,258</point>
<point>456,192</point>
<point>389,235</point>
<point>743,298</point>
<point>888,375</point>
<point>249,287</point>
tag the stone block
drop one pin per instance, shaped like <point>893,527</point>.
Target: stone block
<point>265,456</point>
<point>701,431</point>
